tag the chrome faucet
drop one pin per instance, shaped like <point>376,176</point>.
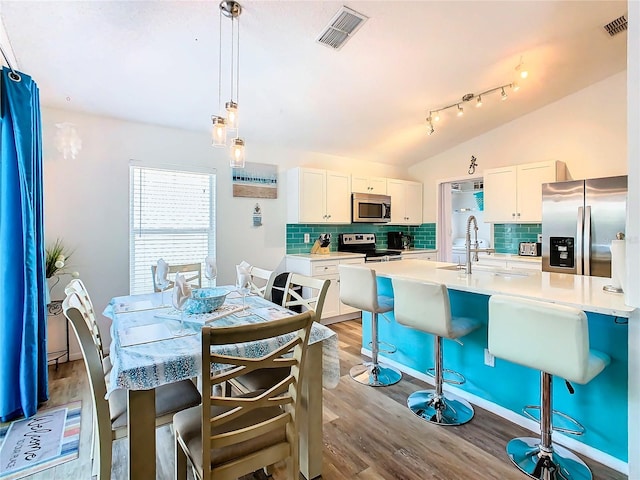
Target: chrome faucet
<point>475,250</point>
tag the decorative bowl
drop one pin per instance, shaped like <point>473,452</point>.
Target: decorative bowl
<point>205,300</point>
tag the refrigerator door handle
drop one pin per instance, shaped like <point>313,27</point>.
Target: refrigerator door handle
<point>587,241</point>
<point>578,253</point>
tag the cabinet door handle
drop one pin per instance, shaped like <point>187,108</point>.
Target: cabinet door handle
<point>513,215</point>
<point>518,214</point>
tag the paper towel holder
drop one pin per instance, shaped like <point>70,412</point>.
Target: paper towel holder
<point>613,288</point>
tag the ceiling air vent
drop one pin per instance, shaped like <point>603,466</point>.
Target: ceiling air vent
<point>341,27</point>
<point>616,26</point>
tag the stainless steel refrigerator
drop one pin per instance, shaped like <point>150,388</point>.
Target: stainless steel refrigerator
<point>579,220</point>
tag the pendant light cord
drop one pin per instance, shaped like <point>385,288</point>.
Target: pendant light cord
<point>238,66</point>
<point>220,62</point>
<point>232,57</point>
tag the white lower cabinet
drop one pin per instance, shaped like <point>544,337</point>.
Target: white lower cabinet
<point>431,255</point>
<point>325,269</point>
<point>508,261</point>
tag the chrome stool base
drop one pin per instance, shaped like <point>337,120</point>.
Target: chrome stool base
<point>375,375</point>
<point>561,464</point>
<point>448,409</point>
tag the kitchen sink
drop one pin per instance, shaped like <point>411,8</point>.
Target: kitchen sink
<point>498,271</point>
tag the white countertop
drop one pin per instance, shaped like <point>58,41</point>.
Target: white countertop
<point>314,257</point>
<point>574,290</point>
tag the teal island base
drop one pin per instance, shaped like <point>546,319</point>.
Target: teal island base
<point>505,388</point>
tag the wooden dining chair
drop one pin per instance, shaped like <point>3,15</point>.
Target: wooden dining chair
<point>110,416</point>
<point>261,281</point>
<point>227,437</point>
<point>311,298</point>
<point>191,271</point>
<point>77,286</point>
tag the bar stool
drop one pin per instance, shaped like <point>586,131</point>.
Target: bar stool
<point>359,289</point>
<point>555,340</point>
<point>425,306</point>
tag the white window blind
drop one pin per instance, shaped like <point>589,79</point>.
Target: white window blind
<point>172,216</point>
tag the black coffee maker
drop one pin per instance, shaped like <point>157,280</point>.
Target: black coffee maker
<point>398,241</point>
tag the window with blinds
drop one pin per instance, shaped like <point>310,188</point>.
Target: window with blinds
<point>172,216</point>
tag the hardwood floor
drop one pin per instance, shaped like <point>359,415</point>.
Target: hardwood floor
<point>368,433</point>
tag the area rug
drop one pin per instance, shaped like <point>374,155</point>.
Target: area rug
<point>47,439</point>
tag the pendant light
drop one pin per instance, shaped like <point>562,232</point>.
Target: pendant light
<point>237,153</point>
<point>221,124</point>
<point>219,134</point>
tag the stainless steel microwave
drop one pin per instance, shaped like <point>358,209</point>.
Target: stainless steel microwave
<point>370,208</point>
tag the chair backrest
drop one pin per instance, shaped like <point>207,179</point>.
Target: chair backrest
<point>422,306</point>
<point>76,312</point>
<point>76,286</point>
<point>264,282</point>
<point>272,414</point>
<point>358,287</point>
<point>314,291</point>
<point>192,272</point>
<point>545,336</point>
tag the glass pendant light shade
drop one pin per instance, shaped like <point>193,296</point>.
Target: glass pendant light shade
<point>219,133</point>
<point>237,153</point>
<point>232,115</point>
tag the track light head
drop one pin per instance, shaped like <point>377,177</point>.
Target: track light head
<point>503,94</point>
<point>479,101</point>
<point>460,110</point>
<point>521,69</point>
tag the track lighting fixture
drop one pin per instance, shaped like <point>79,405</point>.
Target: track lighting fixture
<point>434,115</point>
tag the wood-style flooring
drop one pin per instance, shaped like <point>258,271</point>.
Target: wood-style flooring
<point>368,433</point>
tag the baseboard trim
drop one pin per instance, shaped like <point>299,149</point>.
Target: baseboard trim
<point>571,443</point>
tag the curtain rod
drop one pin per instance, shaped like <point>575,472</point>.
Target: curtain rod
<point>13,75</point>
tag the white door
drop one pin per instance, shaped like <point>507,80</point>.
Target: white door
<point>338,197</point>
<point>413,205</point>
<point>530,180</point>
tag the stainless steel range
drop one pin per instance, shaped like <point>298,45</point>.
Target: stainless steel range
<point>365,243</point>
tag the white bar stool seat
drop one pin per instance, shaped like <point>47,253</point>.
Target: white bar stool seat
<point>359,289</point>
<point>555,340</point>
<point>425,306</point>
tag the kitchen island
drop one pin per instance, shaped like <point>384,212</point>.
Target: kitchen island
<point>504,388</point>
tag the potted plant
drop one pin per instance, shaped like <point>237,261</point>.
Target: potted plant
<point>56,257</point>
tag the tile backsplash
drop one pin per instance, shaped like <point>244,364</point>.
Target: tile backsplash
<point>424,236</point>
<point>507,236</point>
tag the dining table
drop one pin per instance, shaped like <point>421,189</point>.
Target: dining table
<point>154,344</point>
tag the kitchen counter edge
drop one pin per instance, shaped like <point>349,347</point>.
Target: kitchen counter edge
<point>573,290</point>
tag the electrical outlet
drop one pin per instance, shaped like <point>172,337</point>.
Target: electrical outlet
<point>539,238</point>
<point>489,360</point>
<point>307,238</point>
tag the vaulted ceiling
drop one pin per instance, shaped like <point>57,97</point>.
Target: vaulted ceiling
<point>157,62</point>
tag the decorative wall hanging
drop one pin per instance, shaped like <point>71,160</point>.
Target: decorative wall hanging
<point>255,180</point>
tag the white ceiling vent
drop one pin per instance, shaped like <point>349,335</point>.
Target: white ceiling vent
<point>341,27</point>
<point>618,25</point>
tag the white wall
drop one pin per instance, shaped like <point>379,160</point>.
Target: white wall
<point>586,130</point>
<point>87,199</point>
<point>632,290</point>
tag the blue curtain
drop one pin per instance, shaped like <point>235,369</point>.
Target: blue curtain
<point>23,317</point>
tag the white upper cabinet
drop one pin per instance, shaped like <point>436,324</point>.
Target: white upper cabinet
<point>318,196</point>
<point>514,194</point>
<point>364,184</point>
<point>406,202</point>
